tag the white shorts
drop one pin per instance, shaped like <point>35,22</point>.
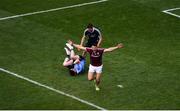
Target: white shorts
<point>95,69</point>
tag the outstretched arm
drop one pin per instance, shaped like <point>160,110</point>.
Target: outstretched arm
<point>114,48</point>
<point>77,46</point>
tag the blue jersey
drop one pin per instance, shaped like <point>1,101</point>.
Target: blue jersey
<point>80,67</point>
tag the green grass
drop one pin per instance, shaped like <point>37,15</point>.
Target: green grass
<point>23,95</point>
<point>147,67</point>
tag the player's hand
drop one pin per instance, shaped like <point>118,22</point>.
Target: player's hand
<point>70,42</point>
<point>120,45</point>
<point>79,48</point>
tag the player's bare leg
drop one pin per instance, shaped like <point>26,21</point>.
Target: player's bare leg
<point>98,76</point>
<point>90,76</point>
<point>73,56</point>
<point>67,62</point>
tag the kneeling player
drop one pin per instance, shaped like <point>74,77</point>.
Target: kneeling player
<point>75,63</point>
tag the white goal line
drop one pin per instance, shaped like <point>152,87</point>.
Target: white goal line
<point>52,89</point>
<point>170,13</point>
<point>51,10</point>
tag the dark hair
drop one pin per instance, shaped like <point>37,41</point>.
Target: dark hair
<point>72,72</point>
<point>90,25</point>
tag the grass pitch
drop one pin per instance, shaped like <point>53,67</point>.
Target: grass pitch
<point>147,67</point>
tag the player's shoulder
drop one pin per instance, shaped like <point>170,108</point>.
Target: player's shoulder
<point>86,30</point>
<point>97,29</point>
<point>88,48</point>
<point>101,49</point>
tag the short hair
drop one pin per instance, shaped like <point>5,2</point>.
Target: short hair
<point>90,25</point>
<point>72,72</point>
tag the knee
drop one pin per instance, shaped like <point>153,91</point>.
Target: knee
<point>90,79</point>
<point>64,64</point>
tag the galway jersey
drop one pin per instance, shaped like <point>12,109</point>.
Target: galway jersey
<point>95,56</point>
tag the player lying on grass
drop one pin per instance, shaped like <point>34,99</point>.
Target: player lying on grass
<point>75,63</point>
<point>96,65</point>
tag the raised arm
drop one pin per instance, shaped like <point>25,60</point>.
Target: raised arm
<point>114,48</point>
<point>77,46</point>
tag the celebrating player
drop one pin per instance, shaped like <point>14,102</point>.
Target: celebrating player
<point>93,36</point>
<point>96,65</point>
<point>75,63</point>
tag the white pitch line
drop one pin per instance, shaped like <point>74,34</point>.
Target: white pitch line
<point>172,9</point>
<point>52,89</point>
<point>170,13</point>
<point>51,10</point>
<point>121,86</point>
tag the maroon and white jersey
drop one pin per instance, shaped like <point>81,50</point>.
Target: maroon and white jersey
<point>95,56</point>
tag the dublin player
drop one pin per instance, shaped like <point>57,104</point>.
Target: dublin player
<point>96,65</point>
<point>75,63</point>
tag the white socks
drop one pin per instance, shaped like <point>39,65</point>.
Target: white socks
<point>69,46</point>
<point>67,51</point>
